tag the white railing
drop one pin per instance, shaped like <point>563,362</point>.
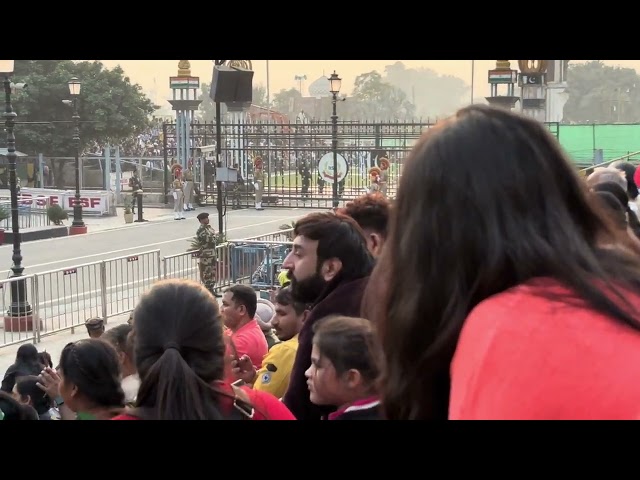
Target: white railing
<point>63,299</point>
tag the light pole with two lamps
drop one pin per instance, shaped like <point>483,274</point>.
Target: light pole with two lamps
<point>77,226</point>
<point>335,82</point>
<point>20,307</point>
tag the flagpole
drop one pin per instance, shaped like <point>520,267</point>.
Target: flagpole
<point>270,166</point>
<point>473,71</point>
<point>268,96</point>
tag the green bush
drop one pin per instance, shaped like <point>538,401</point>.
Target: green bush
<point>56,214</point>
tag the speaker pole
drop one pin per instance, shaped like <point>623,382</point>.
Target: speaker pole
<point>219,161</point>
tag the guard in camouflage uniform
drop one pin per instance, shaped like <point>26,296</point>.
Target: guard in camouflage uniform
<point>236,189</point>
<point>207,264</point>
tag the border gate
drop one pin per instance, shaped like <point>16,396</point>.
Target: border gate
<point>295,156</point>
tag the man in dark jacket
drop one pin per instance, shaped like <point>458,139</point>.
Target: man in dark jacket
<point>329,266</point>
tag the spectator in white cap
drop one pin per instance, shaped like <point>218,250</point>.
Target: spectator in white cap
<point>265,310</point>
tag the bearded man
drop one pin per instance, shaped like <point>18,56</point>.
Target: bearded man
<point>329,266</point>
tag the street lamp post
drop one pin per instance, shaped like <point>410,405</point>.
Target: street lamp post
<point>78,225</point>
<point>19,305</point>
<point>219,160</point>
<point>335,82</point>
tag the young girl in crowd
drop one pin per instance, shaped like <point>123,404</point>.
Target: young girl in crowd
<point>26,391</point>
<point>344,368</point>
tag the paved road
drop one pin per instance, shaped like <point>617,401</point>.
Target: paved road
<point>170,237</point>
<point>69,277</point>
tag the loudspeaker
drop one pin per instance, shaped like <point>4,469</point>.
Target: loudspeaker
<point>231,85</point>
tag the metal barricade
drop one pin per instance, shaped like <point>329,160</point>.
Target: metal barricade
<point>128,277</point>
<point>32,213</point>
<point>181,265</point>
<point>185,266</point>
<point>67,297</point>
<point>281,236</point>
<point>257,262</point>
<point>18,326</point>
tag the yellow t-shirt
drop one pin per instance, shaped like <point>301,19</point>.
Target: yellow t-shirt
<point>283,277</point>
<point>273,376</point>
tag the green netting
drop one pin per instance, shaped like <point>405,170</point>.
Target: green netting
<point>580,141</point>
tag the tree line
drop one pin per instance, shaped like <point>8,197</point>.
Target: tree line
<point>113,109</point>
<point>399,93</point>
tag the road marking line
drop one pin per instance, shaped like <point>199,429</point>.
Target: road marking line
<point>147,224</point>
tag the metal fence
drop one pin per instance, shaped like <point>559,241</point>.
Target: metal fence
<point>297,158</point>
<point>18,328</point>
<point>63,299</point>
<point>32,213</point>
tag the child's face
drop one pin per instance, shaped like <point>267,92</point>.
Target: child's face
<point>325,386</point>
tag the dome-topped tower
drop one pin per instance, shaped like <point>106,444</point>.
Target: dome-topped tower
<point>245,64</point>
<point>184,68</point>
<point>320,88</point>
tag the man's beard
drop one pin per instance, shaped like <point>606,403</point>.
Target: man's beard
<point>307,290</point>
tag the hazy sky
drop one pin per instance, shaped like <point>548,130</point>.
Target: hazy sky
<point>282,72</point>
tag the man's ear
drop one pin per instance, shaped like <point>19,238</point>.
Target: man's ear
<point>330,269</point>
<point>375,243</point>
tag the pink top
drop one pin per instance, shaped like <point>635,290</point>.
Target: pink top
<point>249,340</point>
<point>522,356</point>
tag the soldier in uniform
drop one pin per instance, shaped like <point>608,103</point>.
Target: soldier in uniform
<point>384,175</point>
<point>207,239</point>
<point>187,190</point>
<point>305,174</point>
<point>237,188</point>
<point>258,181</point>
<point>176,189</point>
<point>374,174</point>
<point>95,327</point>
<point>136,184</point>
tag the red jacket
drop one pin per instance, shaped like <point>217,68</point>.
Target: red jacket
<point>535,353</point>
<point>267,407</point>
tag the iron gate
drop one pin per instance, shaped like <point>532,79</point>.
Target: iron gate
<point>298,161</point>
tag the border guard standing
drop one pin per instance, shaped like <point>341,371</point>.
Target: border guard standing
<point>206,238</point>
<point>176,188</point>
<point>258,181</point>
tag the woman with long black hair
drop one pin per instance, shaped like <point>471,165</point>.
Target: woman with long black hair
<point>504,290</point>
<point>179,350</point>
<point>86,385</point>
